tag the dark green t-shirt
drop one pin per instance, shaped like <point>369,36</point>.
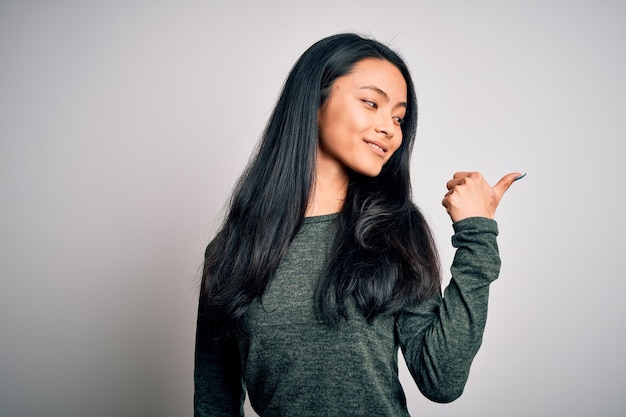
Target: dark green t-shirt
<point>294,365</point>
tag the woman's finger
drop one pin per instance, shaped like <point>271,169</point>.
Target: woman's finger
<point>505,182</point>
<point>462,174</point>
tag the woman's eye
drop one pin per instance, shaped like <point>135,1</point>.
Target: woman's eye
<point>371,103</point>
<point>399,120</point>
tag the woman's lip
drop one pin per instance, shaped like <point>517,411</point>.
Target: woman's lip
<point>376,147</point>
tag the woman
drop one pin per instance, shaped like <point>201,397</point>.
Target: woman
<point>324,267</point>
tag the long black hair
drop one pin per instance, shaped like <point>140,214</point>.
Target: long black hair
<point>383,254</point>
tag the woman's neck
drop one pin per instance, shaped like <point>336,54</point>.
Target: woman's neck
<point>329,189</point>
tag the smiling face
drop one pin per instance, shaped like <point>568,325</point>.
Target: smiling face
<point>360,122</point>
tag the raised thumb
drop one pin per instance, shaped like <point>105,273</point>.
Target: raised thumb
<point>505,182</point>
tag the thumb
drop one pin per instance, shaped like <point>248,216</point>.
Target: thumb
<point>504,183</point>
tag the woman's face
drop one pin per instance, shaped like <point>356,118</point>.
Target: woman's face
<point>359,124</point>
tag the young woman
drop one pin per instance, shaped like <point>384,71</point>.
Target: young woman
<point>324,267</point>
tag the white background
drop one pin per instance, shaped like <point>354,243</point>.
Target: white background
<point>123,126</point>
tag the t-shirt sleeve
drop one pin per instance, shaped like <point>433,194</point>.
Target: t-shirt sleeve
<point>440,337</point>
<point>218,384</point>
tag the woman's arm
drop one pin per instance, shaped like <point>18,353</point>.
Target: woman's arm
<point>440,337</point>
<point>218,379</point>
<point>218,385</point>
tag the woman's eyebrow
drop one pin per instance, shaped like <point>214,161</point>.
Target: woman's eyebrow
<point>381,92</point>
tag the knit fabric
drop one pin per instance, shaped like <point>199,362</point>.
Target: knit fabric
<point>293,365</point>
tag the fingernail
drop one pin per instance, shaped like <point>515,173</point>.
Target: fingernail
<point>520,177</point>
